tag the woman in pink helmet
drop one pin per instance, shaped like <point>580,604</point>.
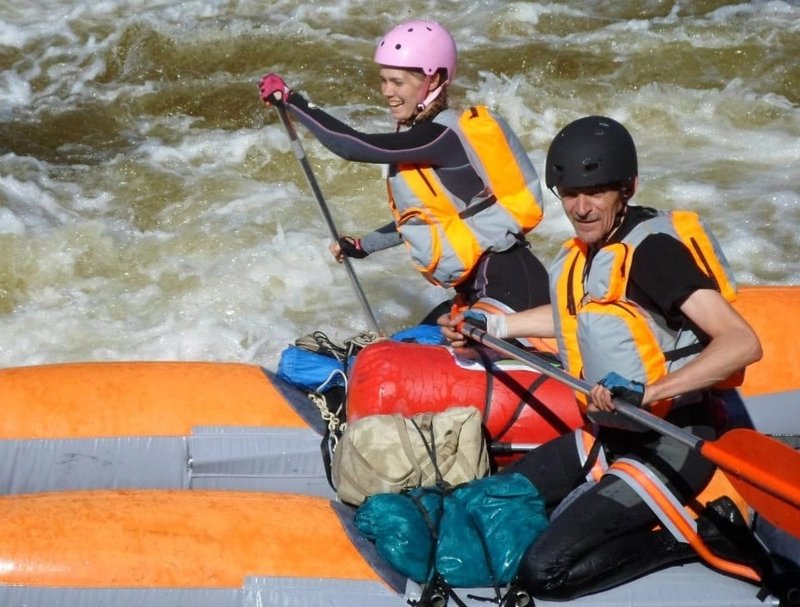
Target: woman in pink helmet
<point>462,202</point>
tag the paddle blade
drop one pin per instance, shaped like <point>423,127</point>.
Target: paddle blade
<point>764,471</point>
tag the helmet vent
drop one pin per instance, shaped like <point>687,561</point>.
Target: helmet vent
<point>590,164</point>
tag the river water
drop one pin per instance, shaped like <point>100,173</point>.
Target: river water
<point>151,208</point>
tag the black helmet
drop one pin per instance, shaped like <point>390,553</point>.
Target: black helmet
<point>591,151</point>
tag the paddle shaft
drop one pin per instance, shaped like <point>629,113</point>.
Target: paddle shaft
<point>544,367</point>
<point>300,154</point>
<point>766,472</point>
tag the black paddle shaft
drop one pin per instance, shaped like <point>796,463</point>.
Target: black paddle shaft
<point>300,154</point>
<point>544,366</point>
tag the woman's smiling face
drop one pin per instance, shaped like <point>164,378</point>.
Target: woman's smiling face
<point>403,90</point>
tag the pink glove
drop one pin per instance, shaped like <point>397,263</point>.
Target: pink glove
<point>273,89</point>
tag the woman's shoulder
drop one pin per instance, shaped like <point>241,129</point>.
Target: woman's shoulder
<point>448,117</point>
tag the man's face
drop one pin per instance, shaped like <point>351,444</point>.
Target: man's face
<point>592,211</point>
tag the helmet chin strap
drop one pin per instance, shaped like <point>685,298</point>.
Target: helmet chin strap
<point>617,220</point>
<point>614,226</point>
<point>428,96</point>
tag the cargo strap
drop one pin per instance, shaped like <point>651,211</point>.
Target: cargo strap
<point>335,421</point>
<point>672,514</point>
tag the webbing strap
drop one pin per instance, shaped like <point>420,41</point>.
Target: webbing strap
<point>672,514</point>
<point>590,453</point>
<point>477,207</point>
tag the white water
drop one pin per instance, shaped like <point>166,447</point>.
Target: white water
<point>150,207</point>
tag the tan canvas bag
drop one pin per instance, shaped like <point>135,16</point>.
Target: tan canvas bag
<point>390,453</point>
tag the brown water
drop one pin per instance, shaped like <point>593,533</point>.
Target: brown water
<point>150,207</point>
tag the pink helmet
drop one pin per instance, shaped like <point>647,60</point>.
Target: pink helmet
<point>418,44</point>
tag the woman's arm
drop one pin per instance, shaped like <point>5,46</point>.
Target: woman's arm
<point>428,143</point>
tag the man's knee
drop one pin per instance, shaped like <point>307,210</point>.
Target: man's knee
<point>541,576</point>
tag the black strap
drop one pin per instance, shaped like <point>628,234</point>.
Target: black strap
<point>591,458</point>
<point>477,207</point>
<point>437,591</point>
<point>683,352</point>
<point>430,448</point>
<point>488,367</point>
<point>437,594</point>
<point>530,391</point>
<point>326,449</point>
<point>515,596</point>
<point>486,555</point>
<point>329,439</point>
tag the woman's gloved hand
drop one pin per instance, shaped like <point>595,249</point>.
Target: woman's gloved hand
<point>273,89</point>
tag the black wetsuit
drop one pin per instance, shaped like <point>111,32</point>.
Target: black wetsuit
<point>514,277</point>
<point>605,536</point>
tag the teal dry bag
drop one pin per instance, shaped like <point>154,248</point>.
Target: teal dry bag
<point>472,535</point>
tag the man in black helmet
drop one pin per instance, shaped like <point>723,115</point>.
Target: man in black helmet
<point>640,309</point>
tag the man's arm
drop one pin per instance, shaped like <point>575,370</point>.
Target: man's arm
<point>733,345</point>
<point>535,322</point>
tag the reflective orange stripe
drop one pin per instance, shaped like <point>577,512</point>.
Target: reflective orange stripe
<point>439,210</point>
<point>569,282</point>
<point>666,507</point>
<point>697,240</point>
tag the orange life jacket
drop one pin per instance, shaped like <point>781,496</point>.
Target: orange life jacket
<point>600,330</point>
<point>445,235</point>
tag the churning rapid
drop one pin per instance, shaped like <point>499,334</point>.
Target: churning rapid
<point>151,207</point>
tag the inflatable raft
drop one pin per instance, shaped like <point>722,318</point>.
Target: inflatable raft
<point>95,459</point>
<point>236,426</point>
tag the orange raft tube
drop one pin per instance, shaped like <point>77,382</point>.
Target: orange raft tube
<point>171,539</point>
<point>197,425</point>
<point>774,313</point>
<point>139,399</point>
<point>174,548</point>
